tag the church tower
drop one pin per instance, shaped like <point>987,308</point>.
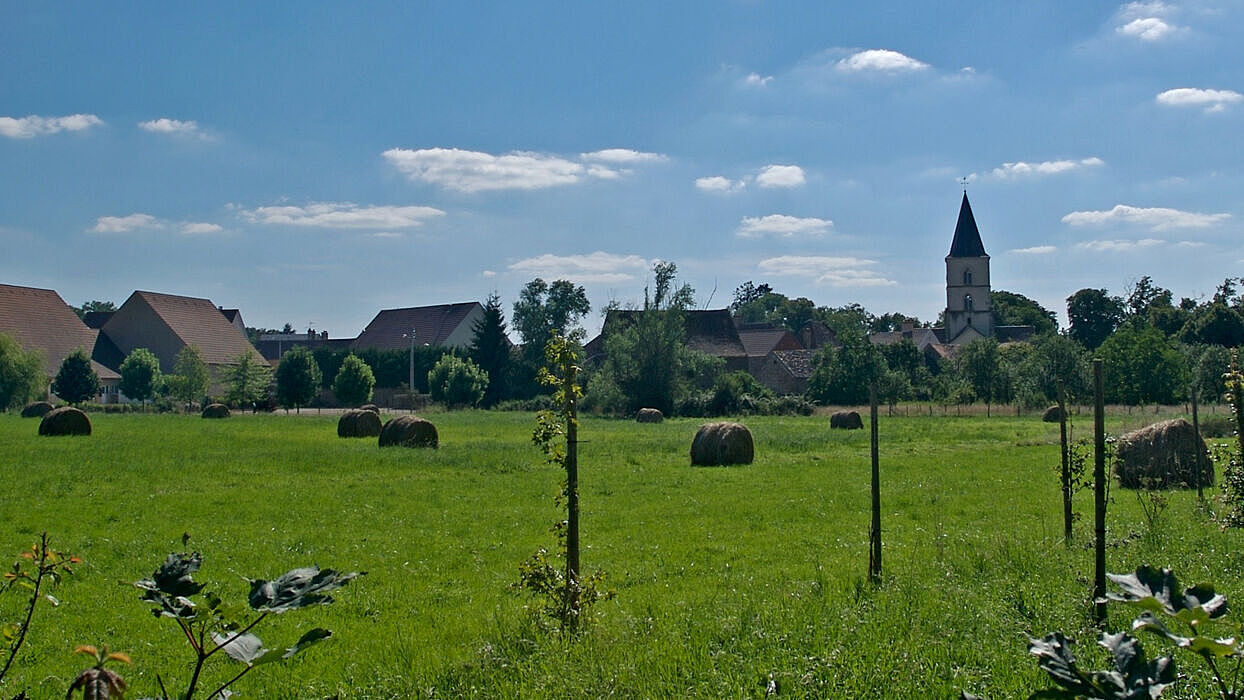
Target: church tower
<point>969,314</point>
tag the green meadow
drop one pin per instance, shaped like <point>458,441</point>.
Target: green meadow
<point>724,576</point>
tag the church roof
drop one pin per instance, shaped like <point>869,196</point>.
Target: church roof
<point>967,243</point>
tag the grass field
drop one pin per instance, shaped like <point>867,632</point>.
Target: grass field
<point>723,575</point>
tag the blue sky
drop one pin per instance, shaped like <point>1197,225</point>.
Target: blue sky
<point>316,162</point>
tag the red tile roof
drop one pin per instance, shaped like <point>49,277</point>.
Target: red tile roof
<point>40,319</point>
<point>433,325</point>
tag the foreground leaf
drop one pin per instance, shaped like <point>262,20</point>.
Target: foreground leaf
<point>298,588</point>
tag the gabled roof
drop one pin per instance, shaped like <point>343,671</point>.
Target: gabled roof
<point>712,332</point>
<point>967,242</point>
<point>194,321</point>
<point>96,319</point>
<point>797,362</point>
<point>40,320</point>
<point>759,342</point>
<point>433,325</point>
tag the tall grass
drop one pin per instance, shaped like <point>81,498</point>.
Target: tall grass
<point>724,575</point>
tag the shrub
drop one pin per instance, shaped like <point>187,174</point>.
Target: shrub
<point>297,378</point>
<point>736,392</point>
<point>22,377</point>
<point>140,374</point>
<point>457,382</point>
<point>76,380</point>
<point>354,381</point>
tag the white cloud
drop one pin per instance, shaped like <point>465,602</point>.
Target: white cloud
<point>28,127</point>
<point>781,176</point>
<point>880,61</point>
<point>1147,29</point>
<point>757,80</point>
<point>475,171</point>
<point>1035,250</point>
<point>196,228</point>
<point>1154,218</point>
<point>1118,246</point>
<point>125,224</point>
<point>488,274</point>
<point>1211,100</point>
<point>833,271</point>
<point>1021,169</point>
<point>623,156</point>
<point>783,226</point>
<point>164,125</point>
<point>598,267</point>
<point>718,183</point>
<point>343,215</point>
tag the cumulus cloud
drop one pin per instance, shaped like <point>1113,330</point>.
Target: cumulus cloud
<point>782,226</point>
<point>1153,218</point>
<point>198,228</point>
<point>880,61</point>
<point>125,224</point>
<point>597,268</point>
<point>164,125</point>
<point>1118,246</point>
<point>31,126</point>
<point>342,215</point>
<point>780,176</point>
<point>718,184</point>
<point>1035,250</point>
<point>623,156</point>
<point>1211,100</point>
<point>1020,169</point>
<point>1147,29</point>
<point>833,271</point>
<point>757,80</point>
<point>475,171</point>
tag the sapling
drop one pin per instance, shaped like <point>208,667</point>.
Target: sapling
<point>210,626</point>
<point>97,682</point>
<point>567,594</point>
<point>33,571</point>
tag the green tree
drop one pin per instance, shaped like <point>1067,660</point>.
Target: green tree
<point>1215,323</point>
<point>76,380</point>
<point>1093,315</point>
<point>1209,363</point>
<point>140,375</point>
<point>457,382</point>
<point>490,349</point>
<point>1141,366</point>
<point>841,376</point>
<point>543,310</point>
<point>1011,309</point>
<point>249,380</point>
<point>95,305</point>
<point>979,365</point>
<point>906,360</point>
<point>297,378</point>
<point>1057,358</point>
<point>354,381</point>
<point>190,378</point>
<point>22,377</point>
<point>644,357</point>
<point>1144,296</point>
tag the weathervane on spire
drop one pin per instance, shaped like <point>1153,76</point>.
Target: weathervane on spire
<point>964,182</point>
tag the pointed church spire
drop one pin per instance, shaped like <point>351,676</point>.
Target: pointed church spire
<point>967,243</point>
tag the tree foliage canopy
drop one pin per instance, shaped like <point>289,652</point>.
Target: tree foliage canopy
<point>1011,309</point>
<point>140,374</point>
<point>354,381</point>
<point>544,309</point>
<point>249,380</point>
<point>1141,366</point>
<point>490,350</point>
<point>297,378</point>
<point>190,378</point>
<point>76,380</point>
<point>22,378</point>
<point>1093,315</point>
<point>457,382</point>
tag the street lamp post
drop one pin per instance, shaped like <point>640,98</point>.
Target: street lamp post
<point>411,386</point>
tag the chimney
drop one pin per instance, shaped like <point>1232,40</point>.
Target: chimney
<point>908,327</point>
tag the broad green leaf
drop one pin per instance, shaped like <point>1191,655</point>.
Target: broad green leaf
<point>241,647</point>
<point>1150,623</point>
<point>1158,590</point>
<point>298,588</point>
<point>1220,648</point>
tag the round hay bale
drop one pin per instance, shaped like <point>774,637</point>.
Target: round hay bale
<point>649,415</point>
<point>722,443</point>
<point>358,423</point>
<point>1162,455</point>
<point>215,410</point>
<point>370,407</point>
<point>408,431</point>
<point>1053,414</point>
<point>37,409</point>
<point>66,420</point>
<point>846,420</point>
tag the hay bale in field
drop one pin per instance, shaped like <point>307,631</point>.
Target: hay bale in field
<point>1053,414</point>
<point>846,420</point>
<point>408,431</point>
<point>722,443</point>
<point>370,407</point>
<point>215,410</point>
<point>358,423</point>
<point>37,409</point>
<point>1162,455</point>
<point>66,420</point>
<point>649,415</point>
